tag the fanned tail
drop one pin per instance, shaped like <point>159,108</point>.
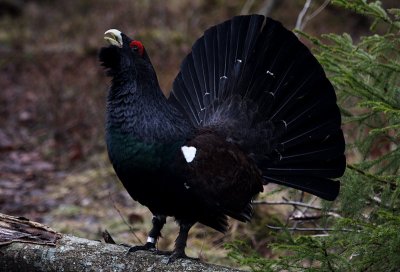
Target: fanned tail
<point>261,88</point>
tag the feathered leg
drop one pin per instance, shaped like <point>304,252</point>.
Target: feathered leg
<point>158,223</point>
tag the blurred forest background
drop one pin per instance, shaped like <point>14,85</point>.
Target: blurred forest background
<point>53,163</point>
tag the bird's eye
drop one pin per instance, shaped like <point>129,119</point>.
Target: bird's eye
<point>137,47</point>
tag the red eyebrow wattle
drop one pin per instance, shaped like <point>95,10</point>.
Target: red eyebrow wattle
<point>139,45</point>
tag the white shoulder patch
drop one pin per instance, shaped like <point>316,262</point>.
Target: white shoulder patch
<point>189,152</point>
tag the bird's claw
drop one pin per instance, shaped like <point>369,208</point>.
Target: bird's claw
<point>163,253</point>
<point>175,255</point>
<point>148,247</point>
<point>125,245</point>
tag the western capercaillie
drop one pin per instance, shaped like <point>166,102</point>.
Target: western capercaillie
<point>250,105</point>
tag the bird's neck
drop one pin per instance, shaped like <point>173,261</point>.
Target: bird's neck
<point>143,131</point>
<point>138,109</point>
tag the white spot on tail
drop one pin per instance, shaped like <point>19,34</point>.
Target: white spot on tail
<point>151,240</point>
<point>186,186</point>
<point>189,152</point>
<point>284,123</point>
<point>270,73</point>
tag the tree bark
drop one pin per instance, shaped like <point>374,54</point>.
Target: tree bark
<point>77,254</point>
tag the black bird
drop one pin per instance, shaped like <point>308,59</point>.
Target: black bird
<point>250,105</point>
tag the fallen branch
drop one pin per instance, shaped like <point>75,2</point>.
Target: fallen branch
<point>315,216</point>
<point>20,229</point>
<point>302,20</point>
<point>76,254</point>
<point>293,203</point>
<point>309,229</point>
<point>299,23</point>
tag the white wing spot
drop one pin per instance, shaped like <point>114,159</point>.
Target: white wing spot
<point>189,152</point>
<point>186,186</point>
<point>239,60</point>
<point>223,77</point>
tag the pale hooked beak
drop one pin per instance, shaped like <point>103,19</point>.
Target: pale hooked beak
<point>113,36</point>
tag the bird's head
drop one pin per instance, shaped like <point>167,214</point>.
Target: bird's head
<point>124,55</point>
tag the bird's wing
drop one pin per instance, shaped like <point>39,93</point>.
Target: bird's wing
<point>220,175</point>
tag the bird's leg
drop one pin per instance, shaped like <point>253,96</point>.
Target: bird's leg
<point>180,242</point>
<point>155,232</point>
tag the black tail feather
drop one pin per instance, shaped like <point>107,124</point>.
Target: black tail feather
<point>326,169</point>
<point>245,215</point>
<point>325,188</point>
<point>287,105</point>
<point>218,222</point>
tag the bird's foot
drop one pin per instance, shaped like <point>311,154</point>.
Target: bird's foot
<point>125,245</point>
<point>163,252</point>
<point>179,255</point>
<point>148,247</point>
